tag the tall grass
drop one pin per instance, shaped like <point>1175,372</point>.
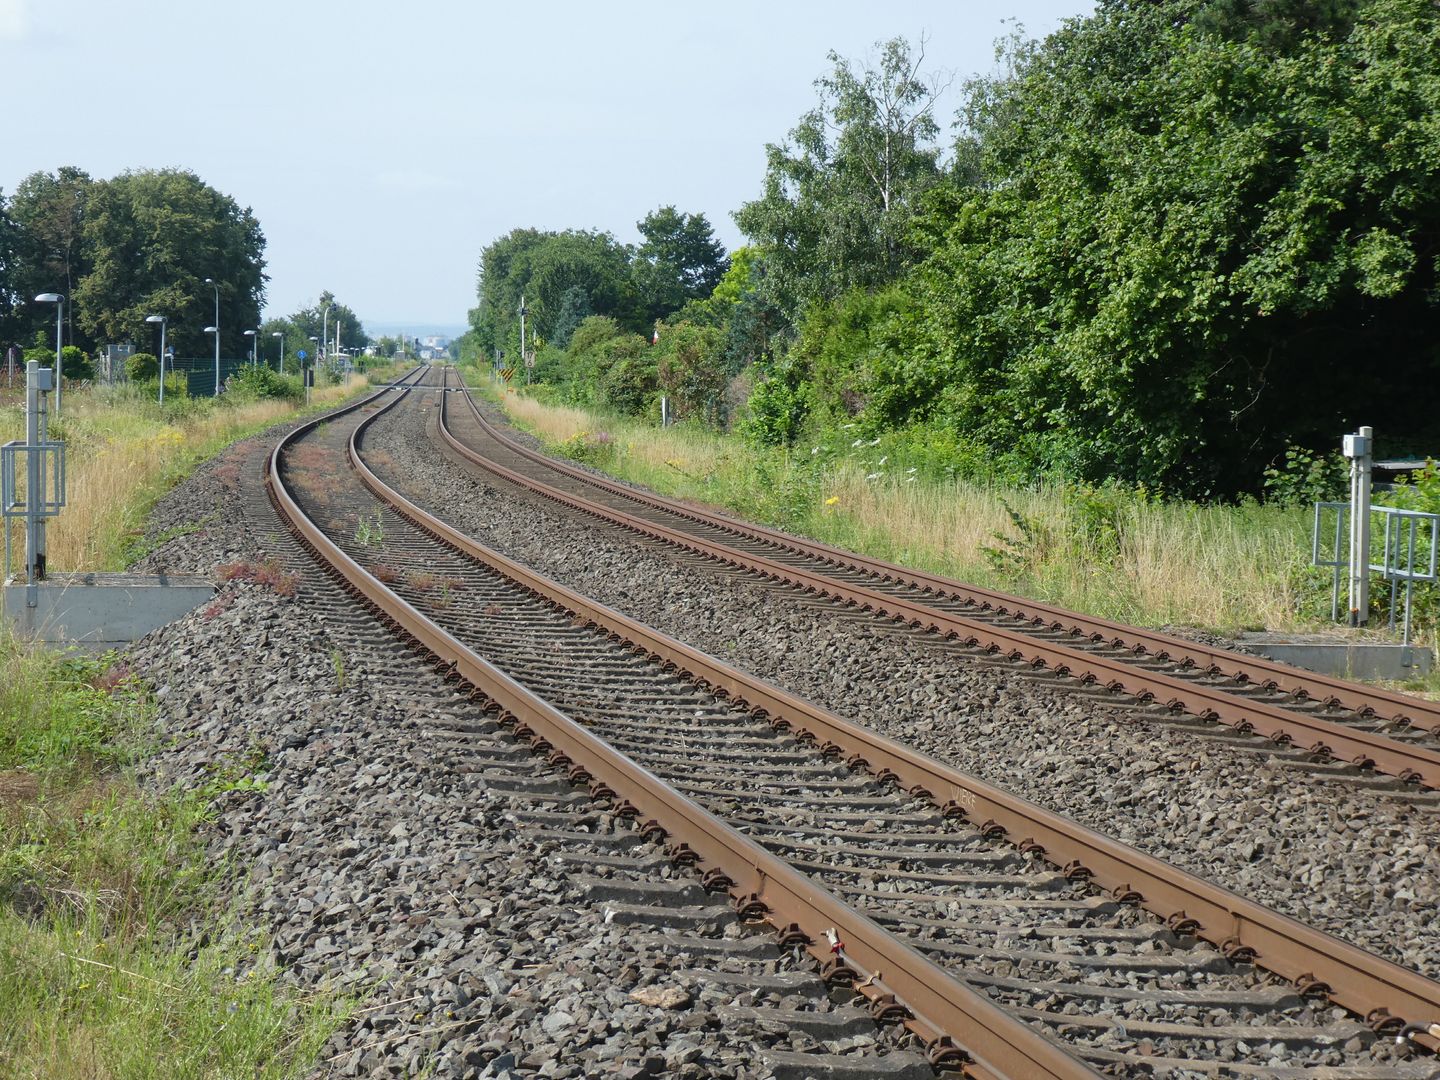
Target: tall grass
<point>123,452</point>
<point>1109,553</point>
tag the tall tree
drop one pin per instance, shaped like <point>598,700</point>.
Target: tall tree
<point>839,196</point>
<point>151,237</point>
<point>340,319</point>
<point>542,267</point>
<point>679,260</point>
<point>12,331</point>
<point>49,211</point>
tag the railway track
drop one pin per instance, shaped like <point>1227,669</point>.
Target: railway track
<point>1330,720</point>
<point>1009,940</point>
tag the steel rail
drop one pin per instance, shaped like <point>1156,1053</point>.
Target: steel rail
<point>960,1025</point>
<point>1324,738</point>
<point>1384,993</point>
<point>1365,700</point>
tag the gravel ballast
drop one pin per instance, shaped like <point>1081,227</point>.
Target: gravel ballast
<point>393,846</point>
<point>1358,863</point>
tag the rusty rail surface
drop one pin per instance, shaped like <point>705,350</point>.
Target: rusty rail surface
<point>1245,669</point>
<point>961,1027</point>
<point>1385,994</point>
<point>1324,738</point>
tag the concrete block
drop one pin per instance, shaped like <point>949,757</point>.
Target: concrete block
<point>1353,659</point>
<point>102,611</point>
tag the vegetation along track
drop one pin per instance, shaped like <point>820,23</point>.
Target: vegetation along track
<point>1329,719</point>
<point>937,896</point>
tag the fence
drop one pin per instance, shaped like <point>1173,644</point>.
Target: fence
<point>199,372</point>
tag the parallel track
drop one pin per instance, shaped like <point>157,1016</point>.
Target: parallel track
<point>1000,964</point>
<point>1328,718</point>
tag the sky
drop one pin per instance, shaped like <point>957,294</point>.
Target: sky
<point>383,145</point>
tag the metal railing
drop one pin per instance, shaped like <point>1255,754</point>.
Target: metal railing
<point>1409,544</point>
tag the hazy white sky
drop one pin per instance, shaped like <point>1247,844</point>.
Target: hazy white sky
<point>382,145</point>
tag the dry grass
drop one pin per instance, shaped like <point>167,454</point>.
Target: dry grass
<point>122,453</point>
<point>1125,558</point>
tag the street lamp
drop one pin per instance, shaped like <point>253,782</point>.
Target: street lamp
<point>308,381</point>
<point>254,336</point>
<point>59,301</point>
<point>216,331</point>
<point>278,334</point>
<point>523,312</point>
<point>324,331</point>
<point>161,320</point>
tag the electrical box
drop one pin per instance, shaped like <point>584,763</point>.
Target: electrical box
<point>45,379</point>
<point>1356,446</point>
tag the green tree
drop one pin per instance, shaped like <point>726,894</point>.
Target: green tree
<point>49,253</point>
<point>690,369</point>
<point>543,267</point>
<point>151,237</point>
<point>329,318</point>
<point>839,196</point>
<point>12,323</point>
<point>679,260</point>
<point>1187,244</point>
<point>574,309</point>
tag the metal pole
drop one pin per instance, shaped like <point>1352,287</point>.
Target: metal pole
<point>162,364</point>
<point>34,520</point>
<point>324,330</point>
<point>522,341</point>
<point>59,353</point>
<point>1358,448</point>
<point>217,339</point>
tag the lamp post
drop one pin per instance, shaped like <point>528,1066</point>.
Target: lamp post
<point>254,336</point>
<point>161,320</point>
<point>310,380</point>
<point>59,301</point>
<point>278,334</point>
<point>216,331</point>
<point>523,313</point>
<point>324,330</point>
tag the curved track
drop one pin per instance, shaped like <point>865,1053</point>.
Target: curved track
<point>1327,718</point>
<point>1053,955</point>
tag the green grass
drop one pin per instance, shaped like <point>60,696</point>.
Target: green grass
<point>115,957</point>
<point>113,961</point>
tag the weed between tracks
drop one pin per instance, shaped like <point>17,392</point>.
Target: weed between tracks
<point>268,573</point>
<point>112,961</point>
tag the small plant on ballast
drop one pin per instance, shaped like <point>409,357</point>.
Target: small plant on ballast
<point>337,661</point>
<point>369,532</point>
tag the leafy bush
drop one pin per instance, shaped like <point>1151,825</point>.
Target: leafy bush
<point>141,366</point>
<point>778,408</point>
<point>1305,477</point>
<point>254,383</point>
